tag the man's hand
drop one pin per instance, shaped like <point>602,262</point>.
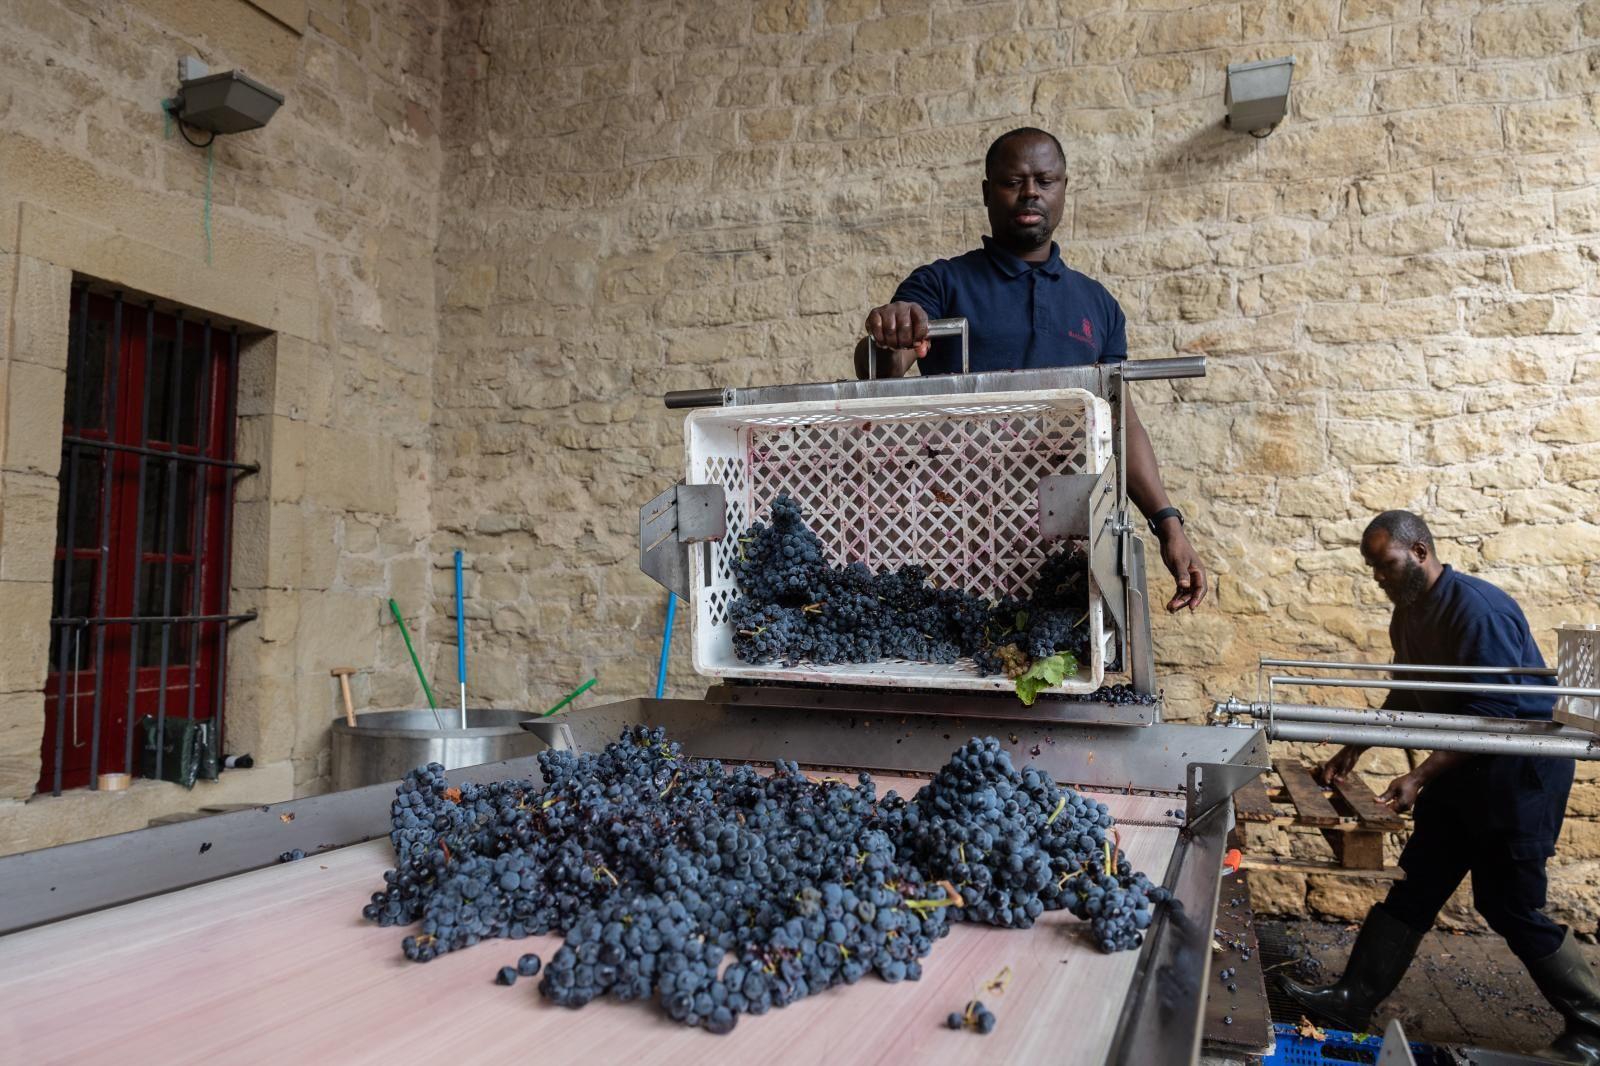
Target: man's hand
<point>1402,792</point>
<point>898,325</point>
<point>1184,563</point>
<point>1341,766</point>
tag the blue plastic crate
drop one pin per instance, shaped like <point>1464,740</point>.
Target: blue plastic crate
<point>1339,1048</point>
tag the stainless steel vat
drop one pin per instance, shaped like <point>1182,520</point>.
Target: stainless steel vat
<point>383,745</point>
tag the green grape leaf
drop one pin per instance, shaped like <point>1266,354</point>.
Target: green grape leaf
<point>1045,673</point>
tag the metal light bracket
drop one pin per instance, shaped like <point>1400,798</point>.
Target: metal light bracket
<point>681,516</point>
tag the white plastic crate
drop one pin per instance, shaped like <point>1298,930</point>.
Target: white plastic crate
<point>1578,666</point>
<point>948,482</point>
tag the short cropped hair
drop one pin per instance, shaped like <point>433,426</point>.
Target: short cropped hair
<point>1403,527</point>
<point>1023,131</point>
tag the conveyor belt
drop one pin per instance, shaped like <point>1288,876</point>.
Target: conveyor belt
<point>277,966</point>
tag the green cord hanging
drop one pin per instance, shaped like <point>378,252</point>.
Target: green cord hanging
<point>210,167</point>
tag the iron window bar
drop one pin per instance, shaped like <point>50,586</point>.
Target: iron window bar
<point>78,342</point>
<point>154,619</point>
<point>78,448</point>
<point>161,453</point>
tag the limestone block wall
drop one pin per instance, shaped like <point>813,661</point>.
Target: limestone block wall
<point>1397,290</point>
<point>323,227</point>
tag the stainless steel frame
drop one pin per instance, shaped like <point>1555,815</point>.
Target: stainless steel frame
<point>679,517</point>
<point>1161,1015</point>
<point>977,706</point>
<point>1475,742</point>
<point>1409,668</point>
<point>1404,729</point>
<point>1395,684</point>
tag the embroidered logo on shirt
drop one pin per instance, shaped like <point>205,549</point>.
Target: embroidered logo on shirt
<point>1087,334</point>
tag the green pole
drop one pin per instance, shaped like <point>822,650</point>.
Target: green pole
<point>574,694</point>
<point>394,609</point>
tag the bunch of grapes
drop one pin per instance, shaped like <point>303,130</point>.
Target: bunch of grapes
<point>1007,839</point>
<point>1119,905</point>
<point>718,892</point>
<point>796,607</point>
<point>1119,695</point>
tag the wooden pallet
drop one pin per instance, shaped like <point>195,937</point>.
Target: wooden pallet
<point>1349,816</point>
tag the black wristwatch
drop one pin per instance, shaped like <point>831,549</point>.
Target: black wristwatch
<point>1161,516</point>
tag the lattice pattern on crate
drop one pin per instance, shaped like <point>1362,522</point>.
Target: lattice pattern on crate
<point>957,492</point>
<point>1578,666</point>
<point>730,474</point>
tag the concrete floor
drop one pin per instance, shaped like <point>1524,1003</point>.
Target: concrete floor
<point>1463,989</point>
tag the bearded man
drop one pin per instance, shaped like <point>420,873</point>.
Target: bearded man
<point>1495,817</point>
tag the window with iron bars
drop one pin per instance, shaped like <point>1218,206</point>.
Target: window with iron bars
<point>143,537</point>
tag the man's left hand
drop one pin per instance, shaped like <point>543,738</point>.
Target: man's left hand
<point>1181,559</point>
<point>1402,793</point>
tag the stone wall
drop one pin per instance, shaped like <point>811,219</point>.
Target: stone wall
<point>1396,290</point>
<point>323,227</point>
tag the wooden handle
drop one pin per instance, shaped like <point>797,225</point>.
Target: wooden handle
<point>343,674</point>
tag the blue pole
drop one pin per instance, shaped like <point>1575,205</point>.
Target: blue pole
<point>666,644</point>
<point>461,640</point>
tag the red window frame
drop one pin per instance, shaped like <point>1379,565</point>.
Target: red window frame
<point>148,393</point>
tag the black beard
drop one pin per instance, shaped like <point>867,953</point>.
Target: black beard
<point>1412,585</point>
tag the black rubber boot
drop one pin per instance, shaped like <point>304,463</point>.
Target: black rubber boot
<point>1383,950</point>
<point>1569,983</point>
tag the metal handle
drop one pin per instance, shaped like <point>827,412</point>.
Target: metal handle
<point>1191,366</point>
<point>939,327</point>
<point>684,398</point>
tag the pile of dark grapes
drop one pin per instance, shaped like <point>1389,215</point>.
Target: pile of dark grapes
<point>796,607</point>
<point>1120,695</point>
<point>720,891</point>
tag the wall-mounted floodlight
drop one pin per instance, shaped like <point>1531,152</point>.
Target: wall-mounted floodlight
<point>229,102</point>
<point>1258,95</point>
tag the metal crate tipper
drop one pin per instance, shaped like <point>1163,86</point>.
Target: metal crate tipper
<point>975,476</point>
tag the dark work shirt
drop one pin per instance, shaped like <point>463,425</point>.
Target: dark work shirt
<point>1466,621</point>
<point>1020,316</point>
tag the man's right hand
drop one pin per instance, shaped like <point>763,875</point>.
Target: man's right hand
<point>1339,767</point>
<point>898,325</point>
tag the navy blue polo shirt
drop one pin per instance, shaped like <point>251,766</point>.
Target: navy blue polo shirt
<point>1020,315</point>
<point>1466,621</point>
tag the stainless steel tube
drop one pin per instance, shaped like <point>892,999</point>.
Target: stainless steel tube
<point>1462,723</point>
<point>1434,686</point>
<point>1191,366</point>
<point>1318,664</point>
<point>1436,739</point>
<point>686,398</point>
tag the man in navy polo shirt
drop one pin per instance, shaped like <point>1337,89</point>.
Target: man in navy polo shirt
<point>1495,817</point>
<point>1025,308</point>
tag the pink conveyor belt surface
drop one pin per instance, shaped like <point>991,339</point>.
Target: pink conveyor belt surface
<point>278,966</point>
